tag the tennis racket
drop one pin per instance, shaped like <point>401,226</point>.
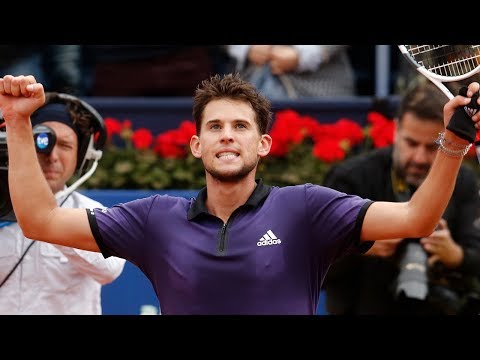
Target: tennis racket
<point>449,63</point>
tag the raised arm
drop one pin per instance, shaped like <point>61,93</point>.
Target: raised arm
<point>419,216</point>
<point>33,202</point>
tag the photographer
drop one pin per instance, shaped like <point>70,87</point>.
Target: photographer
<point>38,277</point>
<point>432,275</point>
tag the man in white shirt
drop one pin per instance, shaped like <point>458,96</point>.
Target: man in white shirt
<point>42,278</point>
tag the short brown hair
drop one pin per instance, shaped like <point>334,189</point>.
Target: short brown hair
<point>81,118</point>
<point>424,99</point>
<point>231,86</point>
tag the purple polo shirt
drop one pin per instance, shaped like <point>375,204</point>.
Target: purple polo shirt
<point>269,258</point>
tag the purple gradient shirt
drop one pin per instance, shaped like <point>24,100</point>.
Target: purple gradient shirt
<point>269,258</point>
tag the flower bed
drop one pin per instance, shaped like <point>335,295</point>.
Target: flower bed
<point>303,150</point>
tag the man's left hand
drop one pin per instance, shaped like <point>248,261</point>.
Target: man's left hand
<point>441,247</point>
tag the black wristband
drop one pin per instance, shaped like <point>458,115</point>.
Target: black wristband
<point>461,124</point>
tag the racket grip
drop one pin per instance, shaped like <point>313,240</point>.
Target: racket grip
<point>461,124</point>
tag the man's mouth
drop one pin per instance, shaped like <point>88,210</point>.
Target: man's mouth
<point>227,155</point>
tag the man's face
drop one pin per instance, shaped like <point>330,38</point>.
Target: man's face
<point>230,143</point>
<point>59,166</point>
<point>415,148</point>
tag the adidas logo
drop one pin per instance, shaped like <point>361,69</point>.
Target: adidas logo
<point>269,239</point>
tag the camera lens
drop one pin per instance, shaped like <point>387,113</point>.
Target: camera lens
<point>412,281</point>
<point>44,138</point>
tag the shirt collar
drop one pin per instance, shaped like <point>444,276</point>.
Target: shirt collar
<point>259,194</point>
<point>6,223</point>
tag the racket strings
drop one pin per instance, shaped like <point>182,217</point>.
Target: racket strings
<point>446,60</point>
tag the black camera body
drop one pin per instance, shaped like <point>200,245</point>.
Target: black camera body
<point>422,288</point>
<point>90,145</point>
<point>45,139</point>
<point>5,204</point>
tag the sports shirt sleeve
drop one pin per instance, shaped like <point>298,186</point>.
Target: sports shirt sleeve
<point>121,230</point>
<point>336,220</point>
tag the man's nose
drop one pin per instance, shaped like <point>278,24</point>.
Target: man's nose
<point>52,155</point>
<point>421,155</point>
<point>227,134</point>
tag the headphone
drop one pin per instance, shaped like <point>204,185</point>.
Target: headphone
<point>89,147</point>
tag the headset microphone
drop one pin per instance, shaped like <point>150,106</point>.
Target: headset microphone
<point>91,141</point>
<point>89,147</point>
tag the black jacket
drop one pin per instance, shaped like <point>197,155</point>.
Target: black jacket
<point>360,284</point>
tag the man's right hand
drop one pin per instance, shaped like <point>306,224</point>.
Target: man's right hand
<point>384,248</point>
<point>20,96</point>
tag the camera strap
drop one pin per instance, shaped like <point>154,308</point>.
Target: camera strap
<point>6,223</point>
<point>18,263</point>
<point>401,189</point>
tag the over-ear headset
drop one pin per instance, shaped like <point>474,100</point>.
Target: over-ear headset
<point>89,146</point>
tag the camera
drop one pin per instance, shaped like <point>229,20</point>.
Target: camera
<point>423,289</point>
<point>5,204</point>
<point>45,139</point>
<point>412,280</point>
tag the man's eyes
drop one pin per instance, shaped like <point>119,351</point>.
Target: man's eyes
<point>217,126</point>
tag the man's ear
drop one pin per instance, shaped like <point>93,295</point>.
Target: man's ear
<point>264,145</point>
<point>195,147</point>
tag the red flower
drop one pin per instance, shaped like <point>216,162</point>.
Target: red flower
<point>142,139</point>
<point>167,146</point>
<point>185,132</point>
<point>280,134</point>
<point>331,142</point>
<point>290,129</point>
<point>174,143</point>
<point>113,127</point>
<point>349,130</point>
<point>329,150</point>
<point>382,129</point>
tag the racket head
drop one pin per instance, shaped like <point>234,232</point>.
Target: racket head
<point>445,63</point>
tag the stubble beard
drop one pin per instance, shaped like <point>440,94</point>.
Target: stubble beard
<point>401,171</point>
<point>233,176</point>
<point>412,180</point>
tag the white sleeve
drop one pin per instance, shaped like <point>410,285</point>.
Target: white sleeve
<point>239,53</point>
<point>311,57</point>
<point>91,263</point>
<point>94,264</point>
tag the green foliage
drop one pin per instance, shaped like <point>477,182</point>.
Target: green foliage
<point>127,168</point>
<point>299,166</point>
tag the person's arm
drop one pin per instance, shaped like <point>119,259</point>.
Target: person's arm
<point>311,57</point>
<point>362,181</point>
<point>420,216</point>
<point>35,207</point>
